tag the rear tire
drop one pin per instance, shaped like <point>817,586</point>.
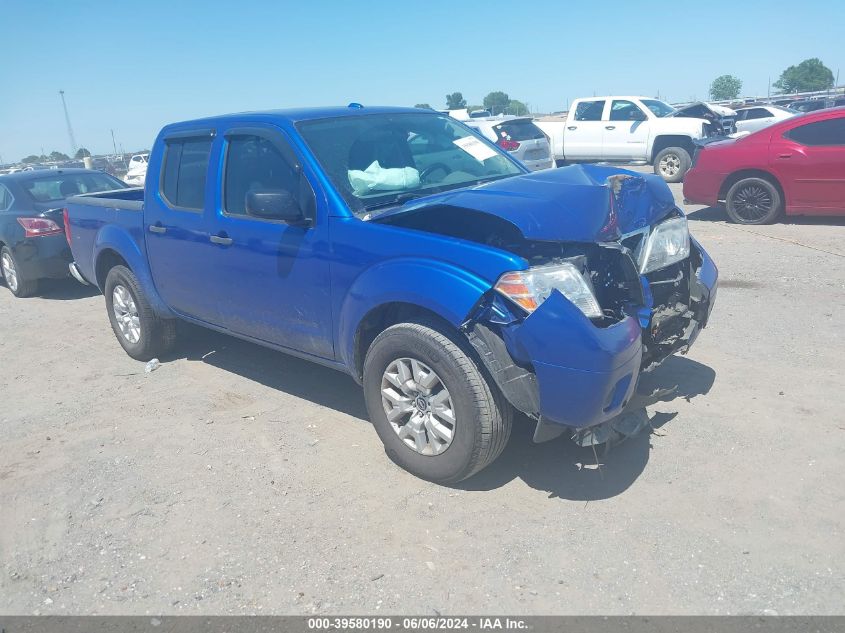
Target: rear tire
<point>753,201</point>
<point>17,284</point>
<point>479,416</point>
<point>672,163</point>
<point>139,330</point>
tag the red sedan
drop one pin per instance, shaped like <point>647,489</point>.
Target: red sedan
<point>795,166</point>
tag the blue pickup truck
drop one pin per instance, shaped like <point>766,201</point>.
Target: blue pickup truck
<point>402,248</point>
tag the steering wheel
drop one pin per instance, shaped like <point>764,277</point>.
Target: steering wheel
<point>425,173</point>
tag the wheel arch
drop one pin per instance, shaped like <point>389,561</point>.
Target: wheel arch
<point>107,259</point>
<point>400,288</point>
<point>382,317</point>
<point>671,140</point>
<point>741,174</point>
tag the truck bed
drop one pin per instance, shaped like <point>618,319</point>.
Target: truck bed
<point>96,220</point>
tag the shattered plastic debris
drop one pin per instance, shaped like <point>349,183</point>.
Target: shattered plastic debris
<point>152,366</point>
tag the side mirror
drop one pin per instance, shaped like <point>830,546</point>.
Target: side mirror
<point>274,204</point>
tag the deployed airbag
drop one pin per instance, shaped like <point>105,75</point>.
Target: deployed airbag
<point>378,178</point>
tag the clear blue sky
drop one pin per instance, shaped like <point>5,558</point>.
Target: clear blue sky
<point>134,65</point>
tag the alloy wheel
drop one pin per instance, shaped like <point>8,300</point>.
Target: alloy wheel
<point>670,165</point>
<point>10,273</point>
<point>752,203</point>
<point>418,406</point>
<point>126,314</point>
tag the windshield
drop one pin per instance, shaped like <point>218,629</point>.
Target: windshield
<point>61,186</point>
<point>380,160</point>
<point>658,107</point>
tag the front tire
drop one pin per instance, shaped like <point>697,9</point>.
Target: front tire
<point>432,407</point>
<point>17,284</point>
<point>753,201</point>
<point>672,164</point>
<point>139,330</point>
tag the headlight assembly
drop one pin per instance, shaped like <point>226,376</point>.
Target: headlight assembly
<point>529,288</point>
<point>668,243</point>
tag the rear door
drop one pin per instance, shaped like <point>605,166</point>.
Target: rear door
<point>625,131</point>
<point>176,226</point>
<point>809,160</point>
<point>582,138</point>
<point>271,278</point>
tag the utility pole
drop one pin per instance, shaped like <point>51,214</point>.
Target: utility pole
<point>73,147</point>
<point>113,143</point>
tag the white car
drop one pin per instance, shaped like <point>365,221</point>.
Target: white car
<point>757,117</point>
<point>627,129</point>
<point>519,136</point>
<point>137,173</point>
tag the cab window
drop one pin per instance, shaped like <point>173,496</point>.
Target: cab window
<point>589,110</point>
<point>185,171</point>
<point>623,110</point>
<point>255,163</point>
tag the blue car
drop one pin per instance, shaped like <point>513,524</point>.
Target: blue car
<point>402,248</point>
<point>32,237</point>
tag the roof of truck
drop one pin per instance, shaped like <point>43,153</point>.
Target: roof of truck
<point>307,114</point>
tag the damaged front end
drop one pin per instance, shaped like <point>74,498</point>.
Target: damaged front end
<point>567,338</point>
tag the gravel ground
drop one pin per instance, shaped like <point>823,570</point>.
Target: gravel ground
<point>237,480</point>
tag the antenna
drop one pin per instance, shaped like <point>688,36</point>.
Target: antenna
<point>73,147</point>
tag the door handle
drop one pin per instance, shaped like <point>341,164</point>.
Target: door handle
<point>784,155</point>
<point>157,228</point>
<point>572,127</point>
<point>220,239</point>
<point>609,127</point>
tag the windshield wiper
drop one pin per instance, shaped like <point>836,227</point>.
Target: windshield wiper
<point>401,198</point>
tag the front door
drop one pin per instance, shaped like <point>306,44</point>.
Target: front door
<point>625,131</point>
<point>272,278</point>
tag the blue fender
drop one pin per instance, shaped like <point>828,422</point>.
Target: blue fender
<point>447,290</point>
<point>118,239</point>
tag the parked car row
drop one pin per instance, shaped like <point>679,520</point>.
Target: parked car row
<point>409,251</point>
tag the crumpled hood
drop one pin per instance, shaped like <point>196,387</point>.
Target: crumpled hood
<point>580,203</point>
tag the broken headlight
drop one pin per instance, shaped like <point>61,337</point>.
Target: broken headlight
<point>668,243</point>
<point>529,288</point>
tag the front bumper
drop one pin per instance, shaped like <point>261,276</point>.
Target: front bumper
<point>45,257</point>
<point>558,367</point>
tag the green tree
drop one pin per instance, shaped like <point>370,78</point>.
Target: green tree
<point>32,158</point>
<point>811,74</point>
<point>57,156</point>
<point>517,107</point>
<point>455,101</point>
<point>82,153</point>
<point>496,102</point>
<point>424,106</point>
<point>725,87</point>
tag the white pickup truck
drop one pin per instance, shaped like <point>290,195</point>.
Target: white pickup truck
<point>626,129</point>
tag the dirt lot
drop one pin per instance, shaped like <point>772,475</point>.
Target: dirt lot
<point>238,480</point>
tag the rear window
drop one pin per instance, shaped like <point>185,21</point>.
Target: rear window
<point>60,186</point>
<point>829,132</point>
<point>184,173</point>
<point>589,111</point>
<point>522,130</point>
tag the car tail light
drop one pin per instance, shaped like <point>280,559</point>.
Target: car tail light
<point>66,222</point>
<point>507,145</point>
<point>39,227</point>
